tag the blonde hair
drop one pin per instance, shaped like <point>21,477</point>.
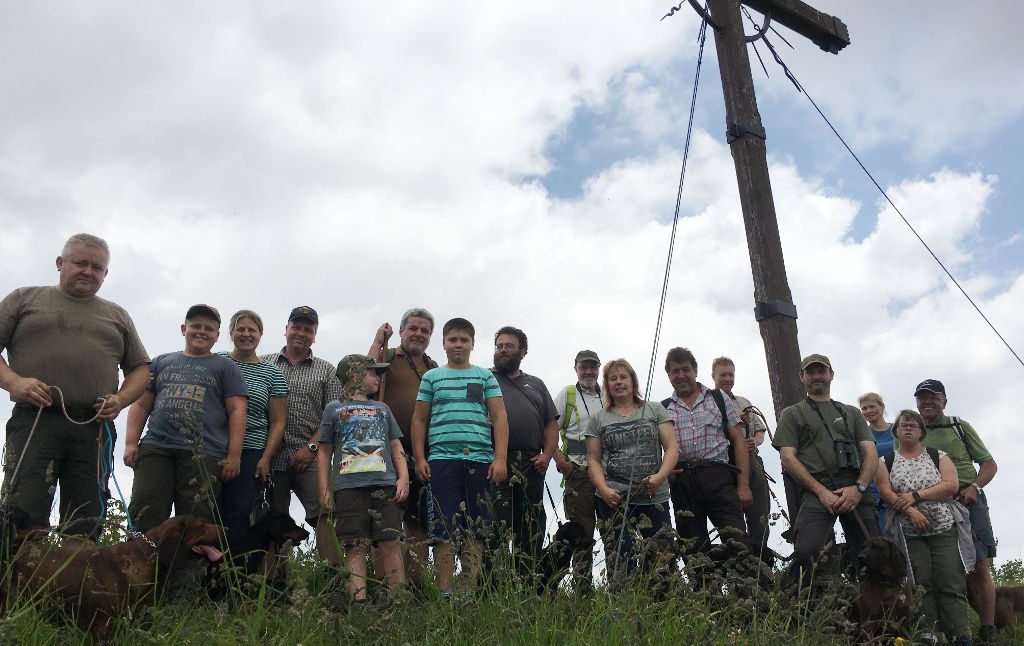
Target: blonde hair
<point>608,367</point>
<point>871,397</point>
<point>245,314</point>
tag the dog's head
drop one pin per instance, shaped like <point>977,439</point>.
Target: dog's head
<point>882,563</point>
<point>278,527</point>
<point>183,537</point>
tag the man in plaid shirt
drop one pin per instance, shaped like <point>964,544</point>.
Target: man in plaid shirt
<point>705,483</point>
<point>312,384</point>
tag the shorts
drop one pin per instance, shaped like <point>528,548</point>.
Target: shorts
<point>981,524</point>
<point>460,498</point>
<point>367,513</point>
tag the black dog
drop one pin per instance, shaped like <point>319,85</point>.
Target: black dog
<point>246,551</point>
<point>555,560</point>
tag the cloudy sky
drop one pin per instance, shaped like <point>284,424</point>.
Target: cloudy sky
<point>518,165</point>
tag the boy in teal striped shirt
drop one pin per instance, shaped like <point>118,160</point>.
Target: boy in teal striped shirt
<point>456,406</point>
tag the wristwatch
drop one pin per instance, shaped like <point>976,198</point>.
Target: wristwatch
<point>313,447</point>
<point>976,486</point>
<point>916,496</point>
<point>861,487</point>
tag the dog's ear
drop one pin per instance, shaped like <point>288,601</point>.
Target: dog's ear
<point>168,537</point>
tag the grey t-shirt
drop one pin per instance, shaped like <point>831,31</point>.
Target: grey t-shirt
<point>631,449</point>
<point>189,411</point>
<point>529,408</point>
<point>361,432</point>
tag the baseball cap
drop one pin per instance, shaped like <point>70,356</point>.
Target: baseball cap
<point>812,359</point>
<point>586,355</point>
<point>356,364</point>
<point>931,386</point>
<point>202,310</point>
<point>304,312</point>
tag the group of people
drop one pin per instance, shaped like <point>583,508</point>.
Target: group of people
<point>929,494</point>
<point>390,452</point>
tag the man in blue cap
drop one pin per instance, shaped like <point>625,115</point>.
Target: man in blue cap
<point>961,442</point>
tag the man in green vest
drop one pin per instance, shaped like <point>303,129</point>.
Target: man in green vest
<point>574,405</point>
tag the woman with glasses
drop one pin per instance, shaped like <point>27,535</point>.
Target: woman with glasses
<point>631,450</point>
<point>932,529</point>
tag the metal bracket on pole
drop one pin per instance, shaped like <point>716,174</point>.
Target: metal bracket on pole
<point>767,309</point>
<point>736,130</point>
<point>704,14</point>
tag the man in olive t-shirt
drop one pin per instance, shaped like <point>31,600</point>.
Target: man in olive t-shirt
<point>67,338</point>
<point>827,448</point>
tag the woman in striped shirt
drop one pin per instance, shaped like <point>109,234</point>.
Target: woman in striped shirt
<point>264,427</point>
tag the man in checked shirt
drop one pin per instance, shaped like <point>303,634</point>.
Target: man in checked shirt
<point>708,482</point>
<point>312,384</point>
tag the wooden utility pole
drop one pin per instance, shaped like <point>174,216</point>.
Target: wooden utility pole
<point>774,308</point>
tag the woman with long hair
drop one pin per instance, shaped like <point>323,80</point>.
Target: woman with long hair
<point>931,528</point>
<point>631,450</point>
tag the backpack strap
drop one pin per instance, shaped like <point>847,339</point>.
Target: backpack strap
<point>720,400</point>
<point>570,410</point>
<point>958,429</point>
<point>891,455</point>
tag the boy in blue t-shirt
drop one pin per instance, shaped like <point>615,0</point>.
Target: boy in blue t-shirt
<point>364,452</point>
<point>195,407</point>
<point>456,405</point>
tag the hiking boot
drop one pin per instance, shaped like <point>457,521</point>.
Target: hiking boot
<point>962,640</point>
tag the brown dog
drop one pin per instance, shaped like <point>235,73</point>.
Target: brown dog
<point>883,598</point>
<point>1009,606</point>
<point>98,584</point>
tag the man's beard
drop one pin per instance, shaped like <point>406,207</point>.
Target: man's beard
<point>508,365</point>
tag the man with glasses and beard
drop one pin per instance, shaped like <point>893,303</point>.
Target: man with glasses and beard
<point>574,405</point>
<point>532,441</point>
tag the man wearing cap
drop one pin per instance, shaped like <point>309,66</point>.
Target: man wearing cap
<point>573,406</point>
<point>400,383</point>
<point>827,448</point>
<point>65,337</point>
<point>312,384</point>
<point>963,445</point>
<point>196,407</point>
<point>532,441</point>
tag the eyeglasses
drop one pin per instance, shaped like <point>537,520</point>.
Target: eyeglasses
<point>908,425</point>
<point>506,346</point>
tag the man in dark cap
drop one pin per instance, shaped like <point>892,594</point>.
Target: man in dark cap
<point>312,384</point>
<point>827,448</point>
<point>961,442</point>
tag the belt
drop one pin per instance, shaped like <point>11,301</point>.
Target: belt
<point>698,464</point>
<point>520,454</point>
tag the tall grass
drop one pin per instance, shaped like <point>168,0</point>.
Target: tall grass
<point>651,610</point>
